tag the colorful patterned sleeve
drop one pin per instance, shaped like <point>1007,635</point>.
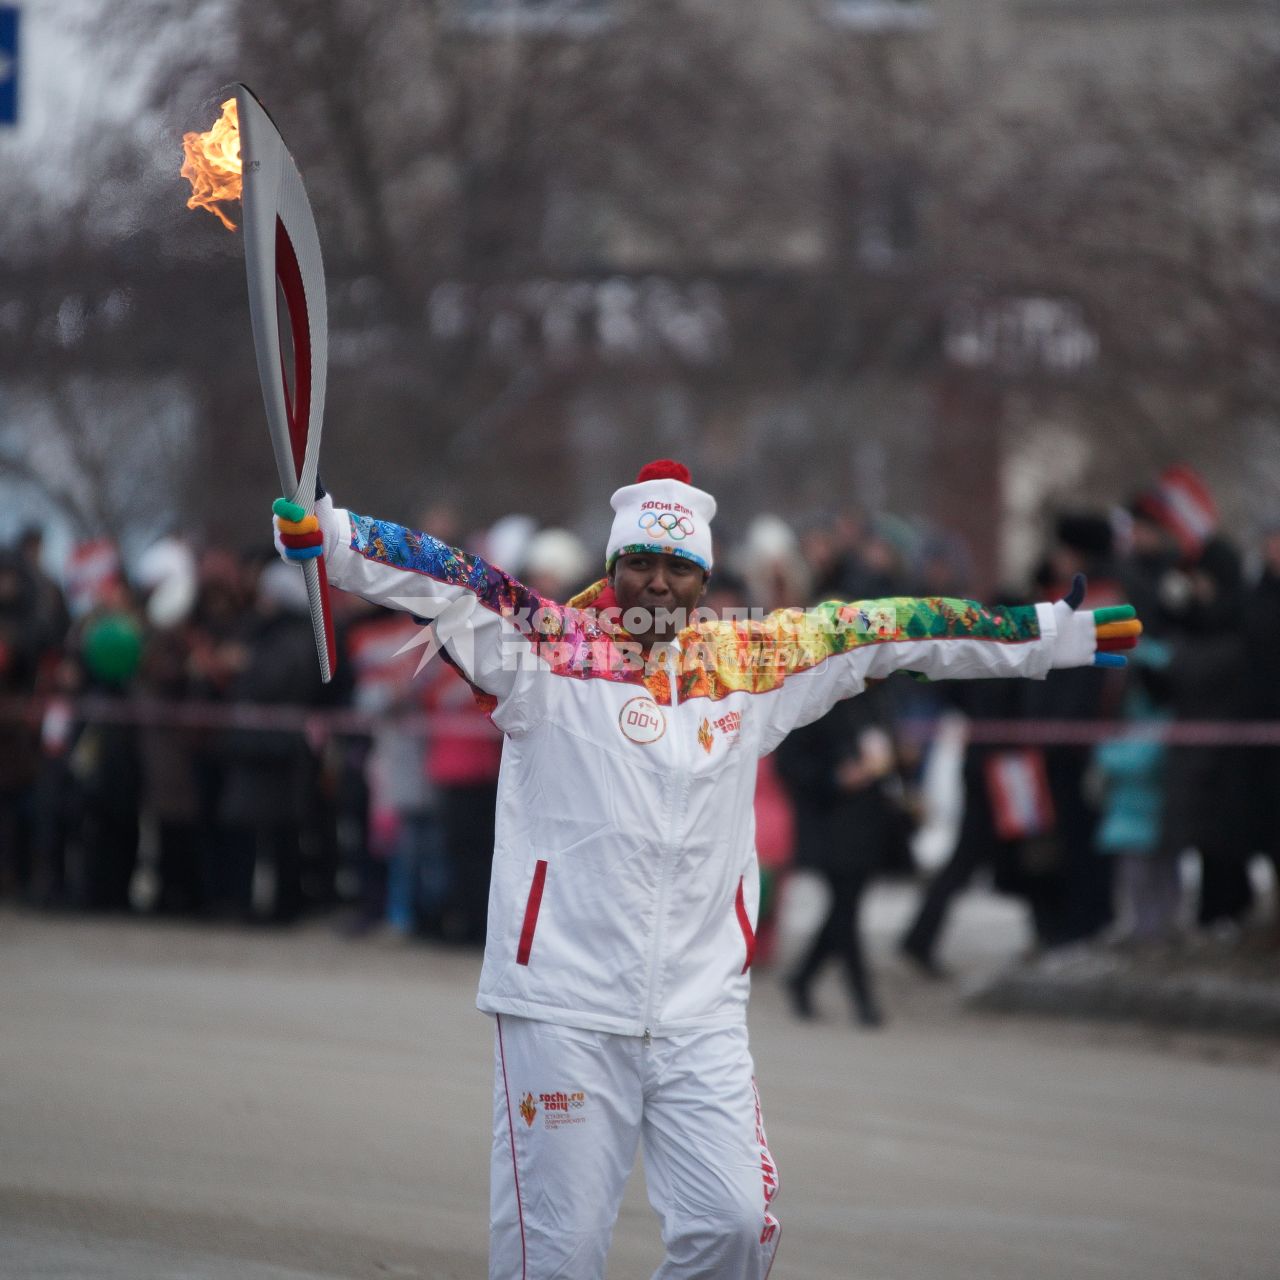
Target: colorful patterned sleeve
<point>903,620</point>
<point>485,618</point>
<point>814,657</point>
<point>936,636</point>
<point>393,546</point>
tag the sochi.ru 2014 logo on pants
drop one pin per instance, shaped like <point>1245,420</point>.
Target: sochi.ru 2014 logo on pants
<point>642,720</point>
<point>558,1109</point>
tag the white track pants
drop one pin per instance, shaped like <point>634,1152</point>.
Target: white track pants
<point>569,1108</point>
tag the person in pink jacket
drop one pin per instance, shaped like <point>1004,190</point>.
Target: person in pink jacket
<point>625,888</point>
<point>463,758</point>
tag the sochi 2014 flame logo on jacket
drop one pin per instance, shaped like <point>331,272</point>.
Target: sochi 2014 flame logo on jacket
<point>728,724</point>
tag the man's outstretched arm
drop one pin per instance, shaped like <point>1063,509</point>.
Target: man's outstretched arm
<point>830,652</point>
<point>961,639</point>
<point>480,613</point>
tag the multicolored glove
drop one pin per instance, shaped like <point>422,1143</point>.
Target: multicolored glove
<point>298,536</point>
<point>1096,637</point>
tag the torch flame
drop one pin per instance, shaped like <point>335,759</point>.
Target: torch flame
<point>212,163</point>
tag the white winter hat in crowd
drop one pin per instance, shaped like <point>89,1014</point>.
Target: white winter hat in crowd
<point>662,512</point>
<point>281,585</point>
<point>167,570</point>
<point>556,553</point>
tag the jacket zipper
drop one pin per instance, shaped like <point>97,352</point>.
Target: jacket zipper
<point>672,663</point>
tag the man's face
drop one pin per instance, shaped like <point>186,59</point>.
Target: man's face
<point>659,585</point>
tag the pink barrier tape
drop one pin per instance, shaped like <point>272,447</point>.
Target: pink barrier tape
<point>1083,733</point>
<point>316,722</point>
<point>154,713</point>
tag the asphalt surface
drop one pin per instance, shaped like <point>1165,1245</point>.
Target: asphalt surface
<point>193,1103</point>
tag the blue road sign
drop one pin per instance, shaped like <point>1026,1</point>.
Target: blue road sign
<point>8,64</point>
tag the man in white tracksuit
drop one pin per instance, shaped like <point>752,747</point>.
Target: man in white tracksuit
<point>624,893</point>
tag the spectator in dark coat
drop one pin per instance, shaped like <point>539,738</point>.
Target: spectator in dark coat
<point>21,643</point>
<point>834,770</point>
<point>1202,809</point>
<point>1201,593</point>
<point>977,844</point>
<point>168,753</point>
<point>1259,773</point>
<point>269,792</point>
<point>106,765</point>
<point>1081,905</point>
<point>50,604</point>
<point>214,640</point>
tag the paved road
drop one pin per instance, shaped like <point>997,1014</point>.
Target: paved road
<point>199,1104</point>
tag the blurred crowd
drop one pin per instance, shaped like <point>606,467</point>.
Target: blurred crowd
<point>373,796</point>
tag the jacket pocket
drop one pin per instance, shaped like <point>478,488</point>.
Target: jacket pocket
<point>744,923</point>
<point>531,909</point>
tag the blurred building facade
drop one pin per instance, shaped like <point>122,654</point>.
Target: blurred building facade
<point>959,261</point>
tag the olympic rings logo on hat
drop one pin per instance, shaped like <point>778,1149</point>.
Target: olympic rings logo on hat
<point>667,524</point>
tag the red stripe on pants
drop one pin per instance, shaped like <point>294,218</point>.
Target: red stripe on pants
<point>515,1168</point>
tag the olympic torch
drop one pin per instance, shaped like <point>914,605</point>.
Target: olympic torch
<point>244,155</point>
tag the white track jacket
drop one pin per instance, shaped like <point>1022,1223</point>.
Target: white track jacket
<point>625,885</point>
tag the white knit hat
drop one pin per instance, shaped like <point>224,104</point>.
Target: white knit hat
<point>662,512</point>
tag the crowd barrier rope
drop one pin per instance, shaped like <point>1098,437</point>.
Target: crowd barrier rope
<point>56,715</point>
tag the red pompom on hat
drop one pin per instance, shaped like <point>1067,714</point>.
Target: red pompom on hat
<point>664,469</point>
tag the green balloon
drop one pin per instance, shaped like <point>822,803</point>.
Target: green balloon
<point>112,648</point>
